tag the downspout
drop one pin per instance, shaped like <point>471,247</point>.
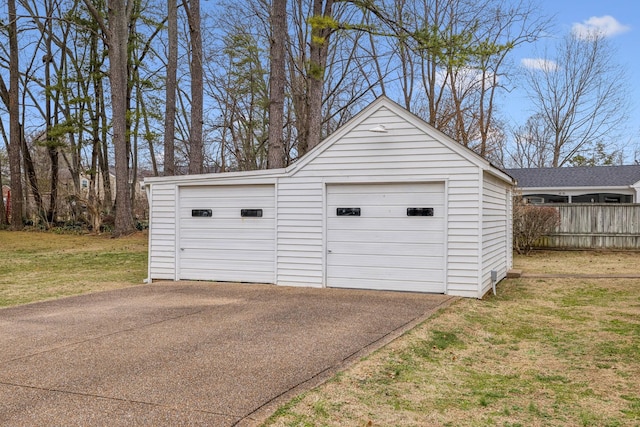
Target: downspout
<point>147,189</point>
<point>494,280</point>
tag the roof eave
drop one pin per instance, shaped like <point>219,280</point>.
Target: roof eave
<point>275,173</point>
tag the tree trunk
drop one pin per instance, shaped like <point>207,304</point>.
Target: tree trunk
<point>119,15</point>
<point>318,49</point>
<point>95,114</point>
<point>196,149</point>
<point>3,209</point>
<point>32,179</point>
<point>117,37</point>
<point>170,103</point>
<point>103,153</point>
<point>276,155</point>
<point>52,148</point>
<point>14,121</point>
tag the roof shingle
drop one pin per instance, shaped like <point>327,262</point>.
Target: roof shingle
<point>583,176</point>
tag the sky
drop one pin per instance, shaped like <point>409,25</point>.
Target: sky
<point>619,20</point>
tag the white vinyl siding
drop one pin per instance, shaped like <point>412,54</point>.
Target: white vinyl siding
<point>383,248</point>
<point>227,246</point>
<point>495,238</point>
<point>300,224</point>
<point>162,232</point>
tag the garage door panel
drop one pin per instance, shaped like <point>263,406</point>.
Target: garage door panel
<point>232,265</point>
<point>226,210</point>
<point>234,246</point>
<point>226,276</point>
<point>383,248</point>
<point>423,224</point>
<point>227,246</point>
<point>392,274</point>
<point>225,191</point>
<point>258,226</point>
<point>227,233</point>
<point>207,255</point>
<point>379,236</point>
<point>368,200</point>
<point>421,261</point>
<point>398,249</point>
<point>374,189</point>
<point>388,284</point>
<point>230,214</point>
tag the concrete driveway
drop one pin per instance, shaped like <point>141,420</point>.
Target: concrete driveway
<point>187,353</point>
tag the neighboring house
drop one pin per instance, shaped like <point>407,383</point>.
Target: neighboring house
<point>386,202</point>
<point>585,184</point>
<point>85,182</point>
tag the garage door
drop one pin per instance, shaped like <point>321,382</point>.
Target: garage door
<point>386,236</point>
<point>227,233</point>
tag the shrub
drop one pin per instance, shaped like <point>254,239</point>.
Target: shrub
<point>530,223</point>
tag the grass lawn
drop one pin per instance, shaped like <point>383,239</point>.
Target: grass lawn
<point>543,352</point>
<point>552,352</point>
<point>37,266</point>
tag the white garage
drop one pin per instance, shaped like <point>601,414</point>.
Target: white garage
<point>386,202</point>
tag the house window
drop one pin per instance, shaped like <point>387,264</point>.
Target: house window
<point>602,198</point>
<point>546,198</point>
<point>85,183</point>
<point>535,200</point>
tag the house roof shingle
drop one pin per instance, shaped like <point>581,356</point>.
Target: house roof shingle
<point>583,176</point>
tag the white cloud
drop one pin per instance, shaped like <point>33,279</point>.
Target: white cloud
<point>539,64</point>
<point>606,26</point>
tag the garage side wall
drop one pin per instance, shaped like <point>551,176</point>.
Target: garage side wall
<point>495,230</point>
<point>404,153</point>
<point>162,232</point>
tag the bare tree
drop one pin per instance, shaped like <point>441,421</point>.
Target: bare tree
<point>116,35</point>
<point>15,131</point>
<point>170,104</point>
<point>532,148</point>
<point>322,25</point>
<point>3,209</point>
<point>505,27</point>
<point>276,154</point>
<point>196,147</point>
<point>580,95</point>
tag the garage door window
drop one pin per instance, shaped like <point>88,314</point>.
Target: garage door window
<point>204,213</point>
<point>348,211</point>
<point>419,211</point>
<point>255,213</point>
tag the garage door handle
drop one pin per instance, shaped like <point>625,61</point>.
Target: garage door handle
<point>329,251</point>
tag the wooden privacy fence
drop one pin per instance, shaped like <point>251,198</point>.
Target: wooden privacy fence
<point>595,226</point>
